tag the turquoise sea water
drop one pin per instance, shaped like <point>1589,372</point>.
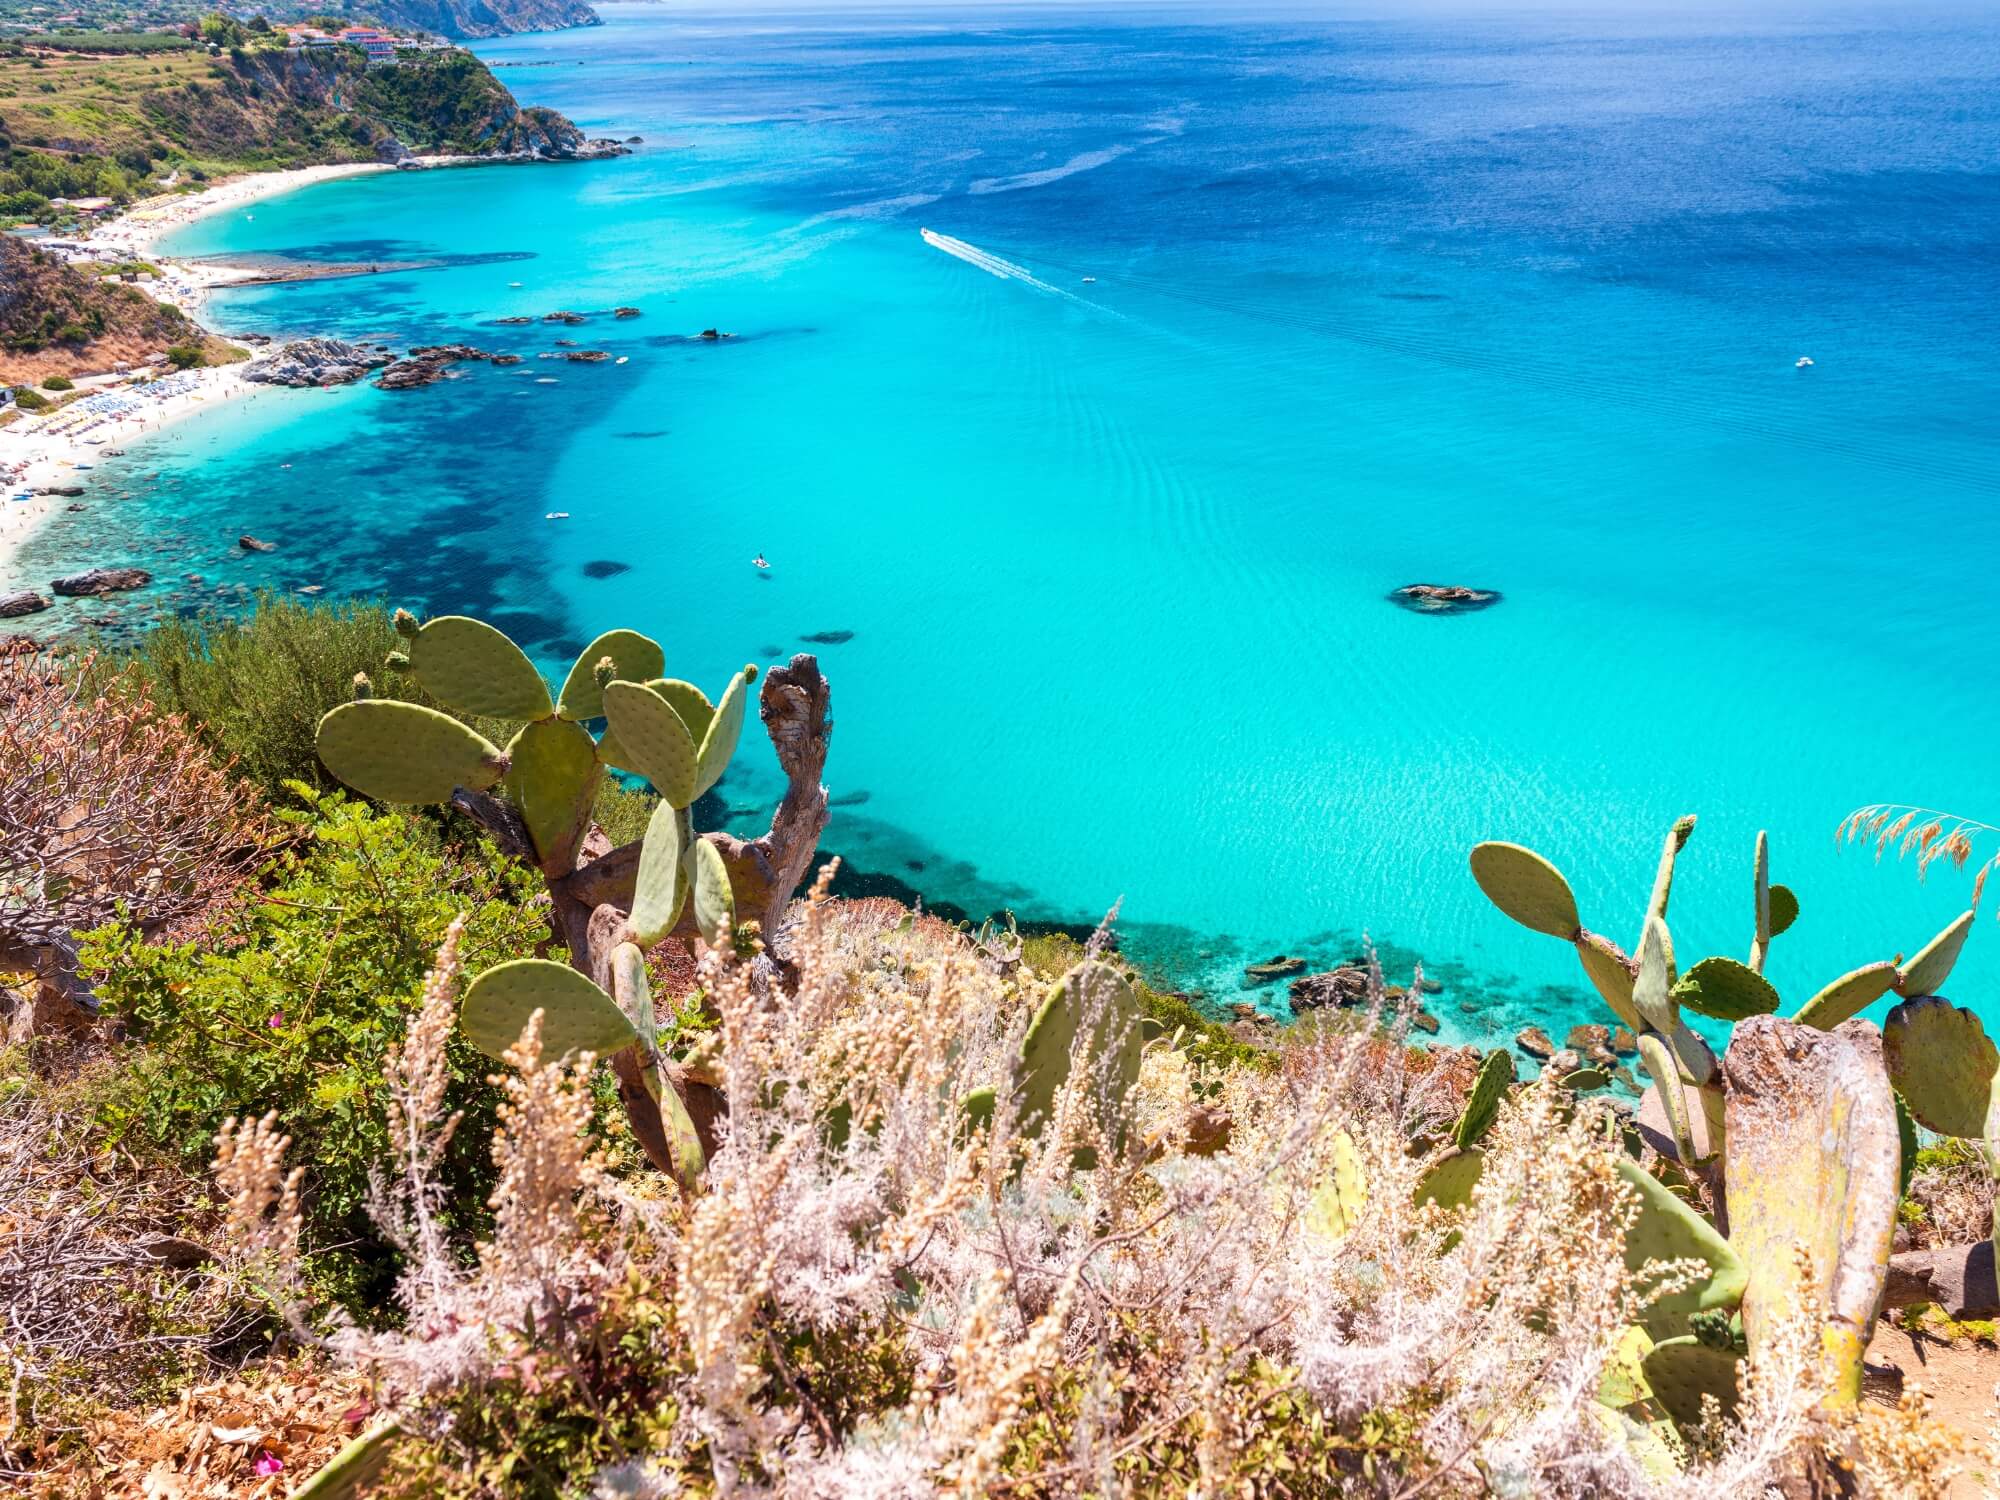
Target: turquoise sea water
<point>1507,302</point>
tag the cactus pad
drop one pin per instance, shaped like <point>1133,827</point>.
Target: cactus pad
<point>354,1469</point>
<point>719,743</point>
<point>1483,1103</point>
<point>1812,1161</point>
<point>1668,1229</point>
<point>1585,1080</point>
<point>1668,1090</point>
<point>552,779</point>
<point>1683,1370</point>
<point>687,700</point>
<point>1651,992</point>
<point>1527,888</point>
<point>403,752</point>
<point>1609,972</point>
<point>1451,1179</point>
<point>1784,908</point>
<point>634,658</point>
<point>661,888</point>
<point>468,665</point>
<point>1761,940</point>
<point>576,1015</point>
<point>714,902</point>
<point>1926,973</point>
<point>1337,1203</point>
<point>1725,990</point>
<point>1093,995</point>
<point>1943,1064</point>
<point>1704,1106</point>
<point>1847,996</point>
<point>652,740</point>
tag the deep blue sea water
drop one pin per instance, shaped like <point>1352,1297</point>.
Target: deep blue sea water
<point>1506,301</point>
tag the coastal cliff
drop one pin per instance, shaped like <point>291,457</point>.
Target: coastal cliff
<point>57,320</point>
<point>461,19</point>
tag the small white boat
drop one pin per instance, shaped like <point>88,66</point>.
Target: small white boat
<point>1805,362</point>
<point>513,283</point>
<point>556,515</point>
<point>1088,280</point>
<point>624,359</point>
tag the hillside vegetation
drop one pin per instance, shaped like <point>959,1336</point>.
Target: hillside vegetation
<point>57,320</point>
<point>75,125</point>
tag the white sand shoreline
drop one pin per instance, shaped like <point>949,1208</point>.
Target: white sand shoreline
<point>46,450</point>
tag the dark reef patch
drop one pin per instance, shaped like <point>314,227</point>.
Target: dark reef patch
<point>828,637</point>
<point>1443,598</point>
<point>604,567</point>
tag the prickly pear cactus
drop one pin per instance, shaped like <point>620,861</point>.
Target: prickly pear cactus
<point>1926,973</point>
<point>577,1016</point>
<point>1451,1179</point>
<point>633,658</point>
<point>1725,990</point>
<point>468,665</point>
<point>1527,888</point>
<point>1669,1229</point>
<point>403,752</point>
<point>662,885</point>
<point>1681,1371</point>
<point>1848,996</point>
<point>1812,1161</point>
<point>1496,1076</point>
<point>1337,1203</point>
<point>1092,995</point>
<point>1945,1066</point>
<point>351,1471</point>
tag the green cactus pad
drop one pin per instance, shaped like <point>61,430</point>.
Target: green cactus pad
<point>468,665</point>
<point>634,658</point>
<point>977,1107</point>
<point>1704,1105</point>
<point>689,701</point>
<point>1527,888</point>
<point>1663,880</point>
<point>1683,1370</point>
<point>1604,962</point>
<point>632,989</point>
<point>719,743</point>
<point>714,901</point>
<point>1652,993</point>
<point>1725,990</point>
<point>1943,1063</point>
<point>1812,1161</point>
<point>1673,1098</point>
<point>576,1015</point>
<point>1337,1203</point>
<point>1092,993</point>
<point>552,780</point>
<point>1926,973</point>
<point>1451,1179</point>
<point>1496,1074</point>
<point>1624,1379</point>
<point>1668,1229</point>
<point>1906,1138</point>
<point>661,888</point>
<point>403,752</point>
<point>1585,1080</point>
<point>1761,938</point>
<point>1784,908</point>
<point>1848,996</point>
<point>1654,1447</point>
<point>652,740</point>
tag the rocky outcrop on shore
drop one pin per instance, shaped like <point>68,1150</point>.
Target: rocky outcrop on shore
<point>26,602</point>
<point>317,362</point>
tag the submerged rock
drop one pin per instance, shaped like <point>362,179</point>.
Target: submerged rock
<point>511,322</point>
<point>426,366</point>
<point>317,362</point>
<point>506,359</point>
<point>624,312</point>
<point>1282,967</point>
<point>1535,1042</point>
<point>587,356</point>
<point>26,602</point>
<point>1444,598</point>
<point>98,581</point>
<point>251,543</point>
<point>563,315</point>
<point>1343,987</point>
<point>828,637</point>
<point>605,568</point>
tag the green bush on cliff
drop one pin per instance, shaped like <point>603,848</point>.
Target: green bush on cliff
<point>291,1002</point>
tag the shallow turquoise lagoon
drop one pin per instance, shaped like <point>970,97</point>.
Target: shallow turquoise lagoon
<point>1514,304</point>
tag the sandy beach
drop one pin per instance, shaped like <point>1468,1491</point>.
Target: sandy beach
<point>55,450</point>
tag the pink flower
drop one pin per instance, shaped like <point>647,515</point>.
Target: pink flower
<point>268,1463</point>
<point>277,1020</point>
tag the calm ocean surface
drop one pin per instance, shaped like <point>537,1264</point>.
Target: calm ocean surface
<point>1502,302</point>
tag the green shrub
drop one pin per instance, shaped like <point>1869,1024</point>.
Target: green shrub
<point>292,1001</point>
<point>30,399</point>
<point>58,383</point>
<point>186,356</point>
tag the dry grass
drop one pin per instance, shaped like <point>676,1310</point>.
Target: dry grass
<point>1929,835</point>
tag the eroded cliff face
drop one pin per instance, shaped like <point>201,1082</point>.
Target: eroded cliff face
<point>301,107</point>
<point>477,18</point>
<point>57,320</point>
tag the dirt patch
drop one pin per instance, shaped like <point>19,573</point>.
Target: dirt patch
<point>1962,1380</point>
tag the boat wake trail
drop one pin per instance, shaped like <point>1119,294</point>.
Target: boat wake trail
<point>992,265</point>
